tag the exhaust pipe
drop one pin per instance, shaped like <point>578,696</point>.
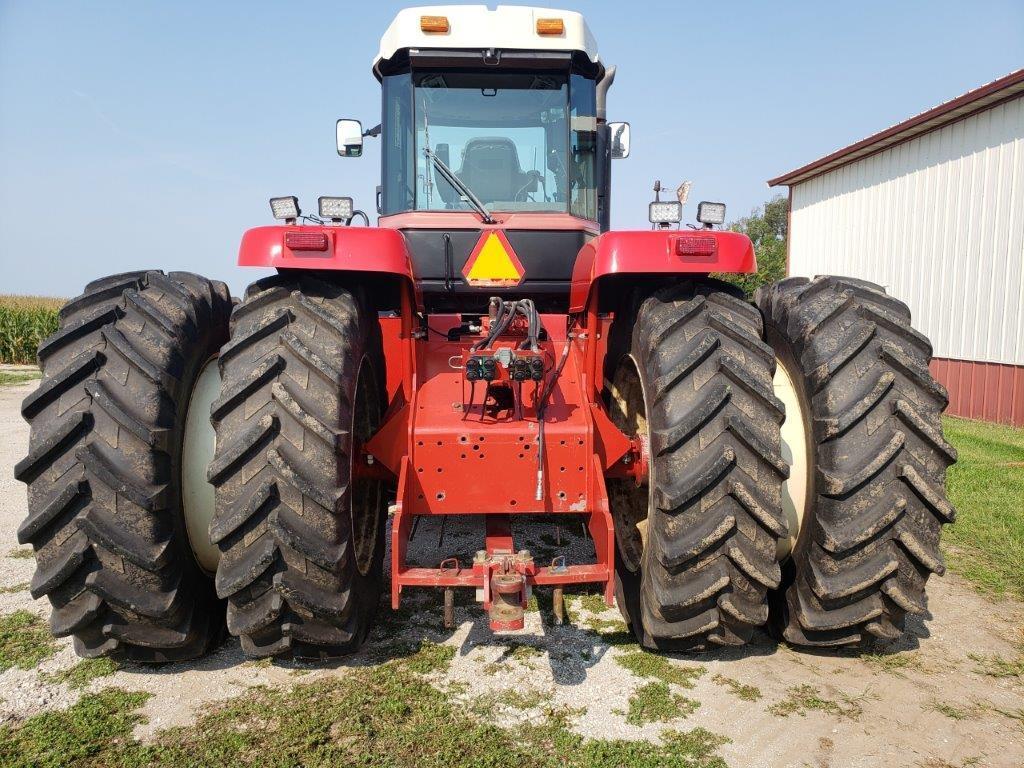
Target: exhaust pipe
<point>602,93</point>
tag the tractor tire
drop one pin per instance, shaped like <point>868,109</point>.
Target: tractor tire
<point>875,456</point>
<point>104,467</point>
<point>301,539</point>
<point>697,544</point>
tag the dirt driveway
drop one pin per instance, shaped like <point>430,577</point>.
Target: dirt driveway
<point>938,698</point>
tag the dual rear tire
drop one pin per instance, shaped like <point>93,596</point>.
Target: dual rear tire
<point>697,542</point>
<point>105,509</point>
<point>114,494</point>
<point>301,534</point>
<point>876,459</point>
<point>827,538</point>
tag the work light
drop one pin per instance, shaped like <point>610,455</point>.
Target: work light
<point>670,212</point>
<point>286,208</point>
<point>710,213</point>
<point>335,208</point>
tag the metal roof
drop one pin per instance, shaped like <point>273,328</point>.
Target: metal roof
<point>973,101</point>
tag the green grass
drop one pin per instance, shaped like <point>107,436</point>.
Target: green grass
<point>997,666</point>
<point>92,731</point>
<point>606,626</point>
<point>986,544</point>
<point>655,703</point>
<point>894,663</point>
<point>383,715</point>
<point>516,651</point>
<point>24,641</point>
<point>593,603</point>
<point>951,711</point>
<point>21,553</point>
<point>738,689</point>
<point>492,703</point>
<point>20,587</point>
<point>10,378</point>
<point>649,665</point>
<point>24,322</point>
<point>431,657</point>
<point>83,673</point>
<point>801,699</point>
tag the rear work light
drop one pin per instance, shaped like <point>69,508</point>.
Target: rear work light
<point>552,27</point>
<point>335,208</point>
<point>435,24</point>
<point>695,247</point>
<point>710,213</point>
<point>306,241</point>
<point>286,208</point>
<point>665,212</point>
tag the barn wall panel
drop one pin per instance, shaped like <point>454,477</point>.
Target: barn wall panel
<point>937,220</point>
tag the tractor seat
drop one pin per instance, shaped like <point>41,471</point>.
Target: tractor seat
<point>490,167</point>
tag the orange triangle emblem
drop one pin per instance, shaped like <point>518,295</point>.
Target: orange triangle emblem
<point>493,263</point>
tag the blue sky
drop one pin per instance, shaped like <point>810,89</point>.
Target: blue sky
<point>146,134</point>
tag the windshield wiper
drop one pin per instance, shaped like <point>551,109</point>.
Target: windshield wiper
<point>460,186</point>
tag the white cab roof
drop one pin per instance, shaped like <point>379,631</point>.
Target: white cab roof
<point>507,27</point>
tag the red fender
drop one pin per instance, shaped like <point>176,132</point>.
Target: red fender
<point>658,252</point>
<point>345,249</point>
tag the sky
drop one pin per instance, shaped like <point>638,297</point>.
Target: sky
<point>143,134</point>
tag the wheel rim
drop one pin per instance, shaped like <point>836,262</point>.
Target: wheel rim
<point>795,447</point>
<point>630,503</point>
<point>366,492</point>
<point>200,445</point>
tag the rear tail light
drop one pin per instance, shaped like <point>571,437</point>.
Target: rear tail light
<point>306,241</point>
<point>696,247</point>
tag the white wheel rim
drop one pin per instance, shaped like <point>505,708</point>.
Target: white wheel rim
<point>794,453</point>
<point>200,444</point>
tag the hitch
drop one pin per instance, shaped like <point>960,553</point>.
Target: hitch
<point>505,588</point>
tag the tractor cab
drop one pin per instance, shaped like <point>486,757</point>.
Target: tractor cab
<point>492,121</point>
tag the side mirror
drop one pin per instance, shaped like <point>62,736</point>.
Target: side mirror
<point>620,140</point>
<point>350,138</point>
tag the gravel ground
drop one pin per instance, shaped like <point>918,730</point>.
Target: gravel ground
<point>881,711</point>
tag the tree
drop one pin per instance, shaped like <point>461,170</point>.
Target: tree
<point>767,227</point>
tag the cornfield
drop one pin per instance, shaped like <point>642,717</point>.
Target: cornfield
<point>24,322</point>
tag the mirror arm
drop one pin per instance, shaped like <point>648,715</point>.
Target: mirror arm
<point>373,132</point>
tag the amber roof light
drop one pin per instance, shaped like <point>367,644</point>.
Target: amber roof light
<point>550,27</point>
<point>434,24</point>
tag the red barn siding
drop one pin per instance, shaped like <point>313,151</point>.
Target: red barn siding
<point>985,391</point>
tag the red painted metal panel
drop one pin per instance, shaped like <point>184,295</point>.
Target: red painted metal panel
<point>464,463</point>
<point>356,249</point>
<point>654,252</point>
<point>459,459</point>
<point>980,390</point>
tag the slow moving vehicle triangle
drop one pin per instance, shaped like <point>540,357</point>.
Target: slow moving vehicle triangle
<point>493,262</point>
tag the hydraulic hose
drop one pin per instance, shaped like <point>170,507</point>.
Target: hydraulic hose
<point>541,409</point>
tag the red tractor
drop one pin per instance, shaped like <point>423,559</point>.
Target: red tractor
<point>490,348</point>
